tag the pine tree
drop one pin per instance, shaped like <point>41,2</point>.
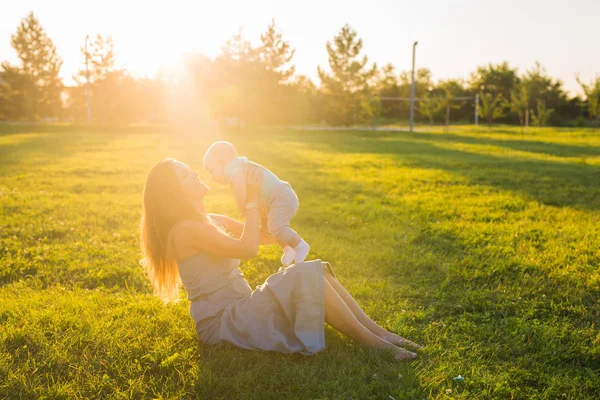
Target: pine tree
<point>113,92</point>
<point>272,77</point>
<point>347,86</point>
<point>101,60</point>
<point>237,72</point>
<point>276,53</point>
<point>238,48</point>
<point>41,64</point>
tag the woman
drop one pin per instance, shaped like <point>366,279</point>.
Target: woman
<point>183,244</point>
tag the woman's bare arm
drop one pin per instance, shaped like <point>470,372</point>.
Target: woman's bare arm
<point>235,227</point>
<point>238,183</point>
<point>201,236</point>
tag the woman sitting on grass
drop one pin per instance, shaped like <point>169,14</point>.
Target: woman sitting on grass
<point>183,244</point>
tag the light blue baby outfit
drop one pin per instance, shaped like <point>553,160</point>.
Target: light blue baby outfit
<point>278,202</point>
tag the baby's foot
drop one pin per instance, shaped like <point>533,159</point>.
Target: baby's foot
<point>288,256</point>
<point>302,250</point>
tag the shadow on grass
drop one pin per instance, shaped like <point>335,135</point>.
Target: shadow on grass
<point>475,292</point>
<point>534,146</point>
<point>344,370</point>
<point>358,373</point>
<point>115,130</point>
<point>45,147</point>
<point>550,183</point>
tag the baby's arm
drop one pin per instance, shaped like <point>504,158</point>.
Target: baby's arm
<point>238,182</point>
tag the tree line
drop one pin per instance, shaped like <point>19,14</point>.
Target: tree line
<point>258,85</point>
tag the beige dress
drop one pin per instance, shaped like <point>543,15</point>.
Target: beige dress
<point>284,314</point>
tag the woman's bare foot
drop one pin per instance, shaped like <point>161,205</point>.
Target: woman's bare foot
<point>402,354</point>
<point>400,341</point>
<point>399,353</point>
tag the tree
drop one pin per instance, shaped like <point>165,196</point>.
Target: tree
<point>196,95</point>
<point>494,79</point>
<point>250,83</point>
<point>303,98</point>
<point>238,48</point>
<point>115,96</point>
<point>492,107</point>
<point>347,86</point>
<point>100,64</point>
<point>445,102</point>
<point>592,94</point>
<point>544,88</point>
<point>427,108</point>
<point>41,65</point>
<point>112,97</point>
<point>386,78</point>
<point>276,53</point>
<point>273,74</point>
<point>13,86</point>
<point>423,82</point>
<point>101,60</point>
<point>519,103</point>
<point>541,114</point>
<point>240,76</point>
<point>387,85</point>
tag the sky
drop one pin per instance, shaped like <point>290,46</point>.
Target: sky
<point>454,36</point>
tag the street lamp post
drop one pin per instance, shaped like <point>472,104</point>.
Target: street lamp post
<point>87,86</point>
<point>412,89</point>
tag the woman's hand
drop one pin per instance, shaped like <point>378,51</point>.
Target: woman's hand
<point>254,179</point>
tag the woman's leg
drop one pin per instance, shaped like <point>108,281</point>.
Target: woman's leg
<point>339,316</point>
<point>364,319</point>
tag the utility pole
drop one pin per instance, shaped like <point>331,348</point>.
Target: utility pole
<point>87,86</point>
<point>412,89</point>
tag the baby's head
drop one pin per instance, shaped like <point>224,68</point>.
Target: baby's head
<point>218,155</point>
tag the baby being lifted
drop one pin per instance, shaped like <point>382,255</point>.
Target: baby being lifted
<point>278,202</point>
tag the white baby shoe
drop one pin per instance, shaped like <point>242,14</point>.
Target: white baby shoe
<point>288,256</point>
<point>301,250</point>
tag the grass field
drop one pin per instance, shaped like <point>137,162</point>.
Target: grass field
<point>483,246</point>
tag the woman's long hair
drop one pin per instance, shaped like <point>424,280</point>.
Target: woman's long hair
<point>164,206</point>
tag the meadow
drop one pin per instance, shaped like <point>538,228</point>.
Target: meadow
<point>483,245</point>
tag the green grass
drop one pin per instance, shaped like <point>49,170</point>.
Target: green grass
<point>482,245</point>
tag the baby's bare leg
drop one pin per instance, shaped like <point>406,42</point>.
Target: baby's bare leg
<point>280,214</point>
<point>294,240</point>
<point>291,240</point>
<point>286,236</point>
<point>294,247</point>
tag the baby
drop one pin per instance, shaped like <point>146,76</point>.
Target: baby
<point>278,202</point>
